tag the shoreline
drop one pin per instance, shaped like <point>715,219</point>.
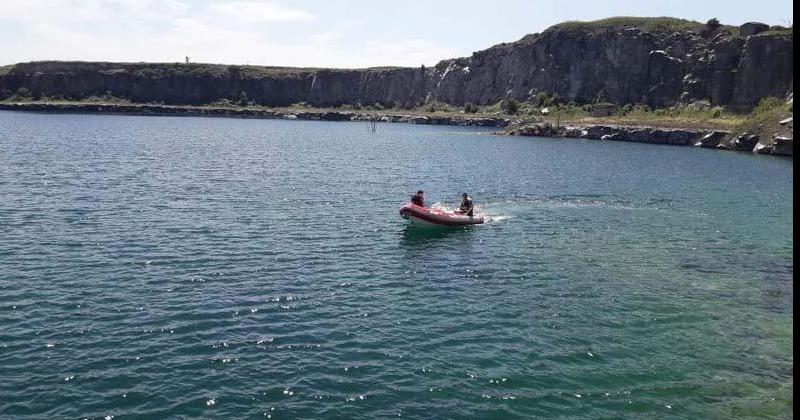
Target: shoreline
<point>310,114</point>
<point>697,137</point>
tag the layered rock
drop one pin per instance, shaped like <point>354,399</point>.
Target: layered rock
<point>206,83</point>
<point>627,60</point>
<point>655,135</point>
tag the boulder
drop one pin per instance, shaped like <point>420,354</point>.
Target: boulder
<point>764,149</point>
<point>783,146</point>
<point>335,116</point>
<point>752,28</point>
<point>711,139</point>
<point>574,132</point>
<point>745,142</point>
<point>682,137</point>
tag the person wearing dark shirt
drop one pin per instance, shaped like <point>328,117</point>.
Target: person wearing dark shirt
<point>418,198</point>
<point>466,205</point>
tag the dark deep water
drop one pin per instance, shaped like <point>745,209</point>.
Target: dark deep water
<point>186,267</point>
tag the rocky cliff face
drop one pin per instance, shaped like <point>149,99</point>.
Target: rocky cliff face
<point>204,83</point>
<point>656,61</point>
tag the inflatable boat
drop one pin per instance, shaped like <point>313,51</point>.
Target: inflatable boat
<point>437,217</point>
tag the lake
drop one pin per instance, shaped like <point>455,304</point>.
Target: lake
<point>166,267</point>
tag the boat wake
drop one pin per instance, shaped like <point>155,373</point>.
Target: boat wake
<point>504,210</point>
<point>491,212</point>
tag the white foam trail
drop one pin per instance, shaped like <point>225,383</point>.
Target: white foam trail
<point>497,218</point>
<point>486,211</point>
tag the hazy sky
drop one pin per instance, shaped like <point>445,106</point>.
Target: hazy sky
<point>332,33</point>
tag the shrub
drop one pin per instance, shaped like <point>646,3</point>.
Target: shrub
<point>626,109</point>
<point>470,108</point>
<point>713,24</point>
<point>543,98</point>
<point>509,106</point>
<point>431,108</point>
<point>716,112</point>
<point>243,98</point>
<point>767,104</point>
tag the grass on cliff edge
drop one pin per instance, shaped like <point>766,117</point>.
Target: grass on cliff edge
<point>646,24</point>
<point>164,70</point>
<point>765,119</point>
<point>698,116</point>
<point>680,117</point>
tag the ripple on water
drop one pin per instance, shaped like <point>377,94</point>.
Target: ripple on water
<point>184,267</point>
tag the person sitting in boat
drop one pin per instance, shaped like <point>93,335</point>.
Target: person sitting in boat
<point>418,198</point>
<point>466,205</point>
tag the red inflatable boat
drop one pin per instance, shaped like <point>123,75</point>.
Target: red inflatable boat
<point>437,217</point>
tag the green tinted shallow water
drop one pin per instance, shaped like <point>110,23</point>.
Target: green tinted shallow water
<point>188,267</point>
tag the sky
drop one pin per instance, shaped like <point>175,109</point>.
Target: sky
<point>315,33</point>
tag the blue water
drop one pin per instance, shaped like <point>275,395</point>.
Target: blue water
<point>159,267</point>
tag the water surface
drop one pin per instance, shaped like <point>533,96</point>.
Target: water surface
<point>188,267</point>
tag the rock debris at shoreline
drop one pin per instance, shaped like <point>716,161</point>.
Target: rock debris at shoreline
<point>709,138</point>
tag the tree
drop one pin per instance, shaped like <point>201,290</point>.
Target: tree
<point>713,24</point>
<point>243,98</point>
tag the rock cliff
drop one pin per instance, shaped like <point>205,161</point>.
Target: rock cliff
<point>655,61</point>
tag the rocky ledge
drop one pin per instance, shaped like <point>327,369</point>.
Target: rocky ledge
<point>679,136</point>
<point>210,111</point>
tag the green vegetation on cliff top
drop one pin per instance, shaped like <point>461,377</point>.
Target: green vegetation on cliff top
<point>646,24</point>
<point>162,70</point>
